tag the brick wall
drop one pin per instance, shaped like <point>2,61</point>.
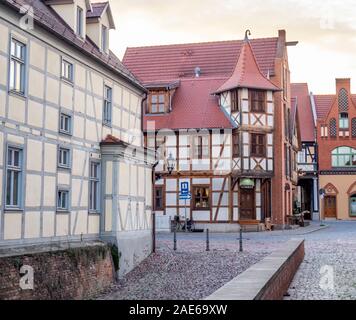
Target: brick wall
<point>269,279</point>
<point>279,284</point>
<point>76,273</point>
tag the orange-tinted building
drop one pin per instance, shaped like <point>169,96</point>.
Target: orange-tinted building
<point>336,136</point>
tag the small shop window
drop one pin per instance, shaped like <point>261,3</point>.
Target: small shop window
<point>201,197</point>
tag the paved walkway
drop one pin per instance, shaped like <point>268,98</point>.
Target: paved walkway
<point>329,268</point>
<point>328,272</point>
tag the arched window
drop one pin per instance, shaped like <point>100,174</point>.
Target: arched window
<point>344,157</point>
<point>333,130</point>
<point>353,205</point>
<point>354,127</point>
<point>343,100</point>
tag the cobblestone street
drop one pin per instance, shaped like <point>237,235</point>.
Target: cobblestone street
<point>192,273</point>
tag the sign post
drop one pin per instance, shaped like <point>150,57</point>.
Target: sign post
<point>184,194</point>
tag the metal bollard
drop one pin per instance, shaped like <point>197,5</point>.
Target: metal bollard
<point>175,240</point>
<point>241,249</point>
<point>207,240</point>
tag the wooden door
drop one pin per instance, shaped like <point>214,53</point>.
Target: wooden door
<point>330,207</point>
<point>247,204</point>
<point>266,200</point>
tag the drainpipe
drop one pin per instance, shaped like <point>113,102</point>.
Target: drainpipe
<point>153,208</point>
<point>143,112</point>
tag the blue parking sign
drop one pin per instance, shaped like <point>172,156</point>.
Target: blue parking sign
<point>184,188</point>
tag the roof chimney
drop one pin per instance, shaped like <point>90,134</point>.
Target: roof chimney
<point>197,72</point>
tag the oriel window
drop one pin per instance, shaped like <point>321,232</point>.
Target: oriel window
<point>234,100</point>
<point>258,100</point>
<point>236,144</point>
<point>258,145</point>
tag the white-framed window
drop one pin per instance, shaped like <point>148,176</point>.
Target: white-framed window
<point>14,170</point>
<point>64,157</point>
<point>107,112</point>
<point>94,187</point>
<point>80,21</point>
<point>62,200</point>
<point>65,123</point>
<point>67,70</point>
<point>104,38</point>
<point>343,121</point>
<point>17,66</point>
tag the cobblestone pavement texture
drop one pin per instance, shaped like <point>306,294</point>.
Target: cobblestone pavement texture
<point>190,273</point>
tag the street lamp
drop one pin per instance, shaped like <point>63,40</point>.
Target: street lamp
<point>170,163</point>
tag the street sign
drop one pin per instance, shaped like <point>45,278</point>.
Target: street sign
<point>185,196</point>
<point>184,188</point>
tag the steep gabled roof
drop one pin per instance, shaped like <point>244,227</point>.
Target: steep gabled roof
<point>323,104</point>
<point>47,18</point>
<point>215,59</point>
<point>193,107</point>
<point>247,74</point>
<point>300,91</point>
<point>97,11</point>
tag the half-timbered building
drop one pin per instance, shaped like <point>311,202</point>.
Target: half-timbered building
<point>308,179</point>
<point>72,165</point>
<point>223,111</point>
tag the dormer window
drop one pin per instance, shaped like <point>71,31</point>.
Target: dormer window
<point>104,38</point>
<point>257,100</point>
<point>158,102</point>
<point>343,121</point>
<point>80,22</point>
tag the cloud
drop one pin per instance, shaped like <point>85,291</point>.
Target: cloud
<point>324,28</point>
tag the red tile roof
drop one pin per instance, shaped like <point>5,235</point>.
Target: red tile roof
<point>323,104</point>
<point>247,74</point>
<point>193,107</point>
<point>215,59</point>
<point>300,91</point>
<point>47,18</point>
<point>111,139</point>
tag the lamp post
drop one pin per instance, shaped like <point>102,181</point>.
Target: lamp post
<point>170,163</point>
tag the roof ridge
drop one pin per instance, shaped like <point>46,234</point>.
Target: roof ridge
<point>200,42</point>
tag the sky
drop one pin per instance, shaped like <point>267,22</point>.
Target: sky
<point>325,29</point>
